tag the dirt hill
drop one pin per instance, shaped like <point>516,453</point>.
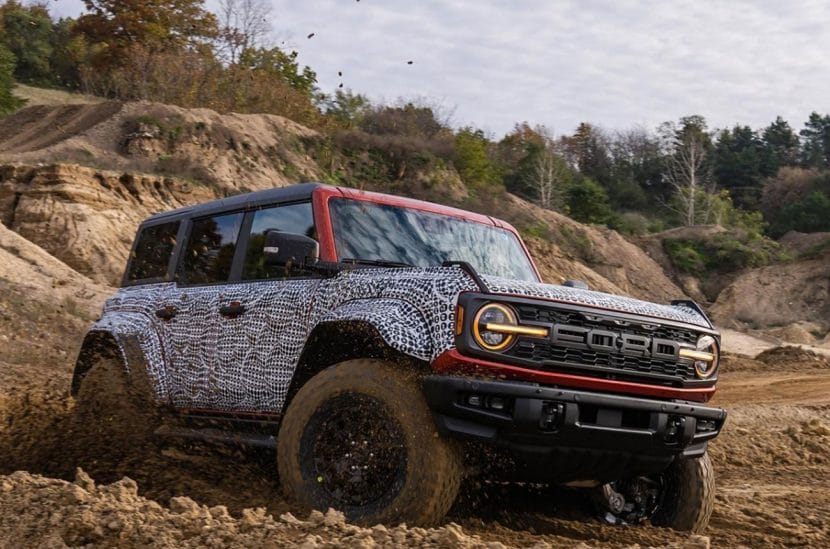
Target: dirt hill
<point>791,299</point>
<point>232,152</point>
<point>84,205</point>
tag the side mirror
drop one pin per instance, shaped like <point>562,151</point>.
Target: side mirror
<point>289,250</point>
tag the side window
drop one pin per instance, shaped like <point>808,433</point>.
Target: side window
<point>209,253</point>
<point>152,251</point>
<point>292,218</point>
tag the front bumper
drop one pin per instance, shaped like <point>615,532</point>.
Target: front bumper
<point>546,425</point>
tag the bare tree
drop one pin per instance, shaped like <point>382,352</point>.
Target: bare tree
<point>549,171</point>
<point>243,24</point>
<point>684,173</point>
<point>550,174</point>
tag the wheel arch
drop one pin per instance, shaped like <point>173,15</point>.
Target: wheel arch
<point>96,344</point>
<point>132,338</point>
<point>336,341</point>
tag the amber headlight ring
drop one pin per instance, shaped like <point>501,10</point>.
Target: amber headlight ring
<point>705,355</point>
<point>494,315</point>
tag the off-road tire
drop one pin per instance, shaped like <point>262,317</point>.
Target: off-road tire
<point>688,495</point>
<point>427,481</point>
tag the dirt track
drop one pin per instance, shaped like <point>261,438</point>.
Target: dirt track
<point>772,462</point>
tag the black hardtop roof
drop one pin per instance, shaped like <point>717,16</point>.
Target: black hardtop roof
<point>291,193</point>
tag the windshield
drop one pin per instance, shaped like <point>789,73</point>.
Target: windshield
<point>368,231</point>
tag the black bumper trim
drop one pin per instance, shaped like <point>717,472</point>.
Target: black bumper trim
<point>585,420</point>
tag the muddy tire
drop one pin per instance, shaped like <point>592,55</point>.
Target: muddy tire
<point>359,437</point>
<point>689,495</point>
<point>116,416</point>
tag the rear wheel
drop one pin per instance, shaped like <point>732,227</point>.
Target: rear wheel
<point>360,438</point>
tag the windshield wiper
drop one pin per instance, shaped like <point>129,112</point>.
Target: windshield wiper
<point>374,262</point>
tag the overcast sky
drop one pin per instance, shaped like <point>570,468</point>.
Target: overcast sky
<point>615,63</point>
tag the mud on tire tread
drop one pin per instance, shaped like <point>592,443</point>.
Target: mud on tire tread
<point>690,495</point>
<point>434,466</point>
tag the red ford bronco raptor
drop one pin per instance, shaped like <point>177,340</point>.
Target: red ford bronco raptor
<point>385,346</point>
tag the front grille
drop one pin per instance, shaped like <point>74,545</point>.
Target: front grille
<point>601,363</point>
<point>574,318</point>
<point>540,351</point>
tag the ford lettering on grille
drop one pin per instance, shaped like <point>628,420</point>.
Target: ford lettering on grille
<point>613,342</point>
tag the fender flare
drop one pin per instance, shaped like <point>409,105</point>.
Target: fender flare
<point>133,336</point>
<point>400,324</point>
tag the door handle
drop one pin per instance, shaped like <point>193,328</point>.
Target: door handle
<point>232,310</point>
<point>167,312</point>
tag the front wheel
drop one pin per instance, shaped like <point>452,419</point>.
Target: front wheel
<point>360,438</point>
<point>688,495</point>
<point>681,497</point>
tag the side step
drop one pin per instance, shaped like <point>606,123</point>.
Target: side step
<point>256,440</point>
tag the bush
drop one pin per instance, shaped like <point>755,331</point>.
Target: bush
<point>685,256</point>
<point>723,253</point>
<point>587,201</point>
<point>633,223</point>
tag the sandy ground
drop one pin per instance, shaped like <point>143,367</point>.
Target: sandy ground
<point>772,464</point>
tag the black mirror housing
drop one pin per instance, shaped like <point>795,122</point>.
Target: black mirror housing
<point>289,250</point>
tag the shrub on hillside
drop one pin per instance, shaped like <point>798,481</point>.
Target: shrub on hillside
<point>410,119</point>
<point>587,201</point>
<point>633,223</point>
<point>722,253</point>
<point>390,157</point>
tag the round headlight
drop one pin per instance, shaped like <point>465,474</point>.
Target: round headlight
<point>494,315</point>
<point>705,368</point>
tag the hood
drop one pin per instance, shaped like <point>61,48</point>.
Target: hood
<point>601,300</point>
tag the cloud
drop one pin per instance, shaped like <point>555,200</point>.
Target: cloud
<point>613,63</point>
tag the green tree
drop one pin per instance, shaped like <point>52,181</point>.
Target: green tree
<point>588,202</point>
<point>26,33</point>
<point>113,26</point>
<point>8,102</point>
<point>348,108</point>
<point>275,62</point>
<point>781,146</point>
<point>636,170</point>
<point>738,165</point>
<point>472,159</point>
<point>815,151</point>
<point>70,51</point>
<point>515,154</point>
<point>587,149</point>
<point>797,199</point>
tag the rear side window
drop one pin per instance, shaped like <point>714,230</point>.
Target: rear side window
<point>152,252</point>
<point>209,253</point>
<point>292,218</point>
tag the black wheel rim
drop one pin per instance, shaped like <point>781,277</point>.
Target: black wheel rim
<point>355,451</point>
<point>642,497</point>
